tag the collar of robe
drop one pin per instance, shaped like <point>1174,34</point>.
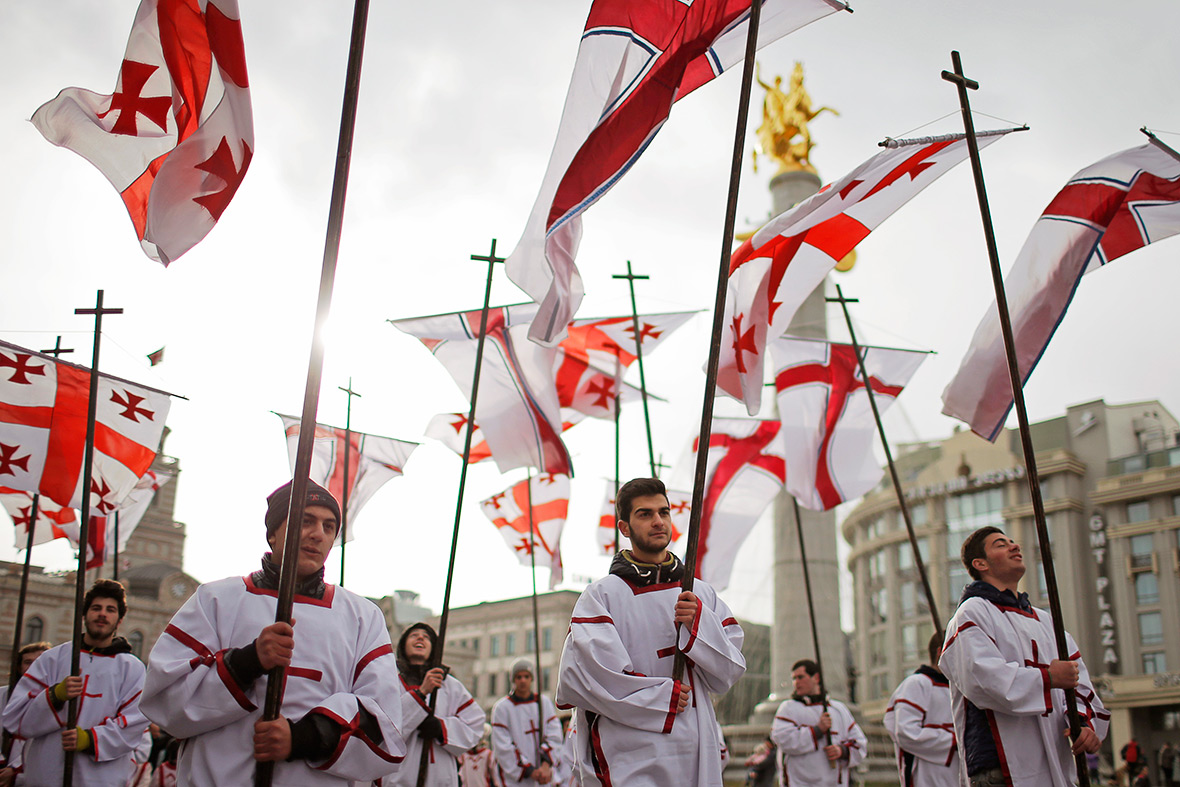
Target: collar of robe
<point>1001,598</point>
<point>810,699</point>
<point>268,579</point>
<point>642,574</point>
<point>118,645</point>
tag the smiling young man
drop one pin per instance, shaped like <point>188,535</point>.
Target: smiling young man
<point>1006,686</point>
<point>454,726</point>
<point>341,711</point>
<point>813,731</point>
<point>636,725</point>
<point>109,726</point>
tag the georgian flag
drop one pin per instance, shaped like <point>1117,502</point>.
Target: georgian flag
<point>828,429</point>
<point>372,461</point>
<point>177,135</point>
<point>636,58</point>
<point>772,273</point>
<point>51,517</point>
<point>1109,209</point>
<point>509,511</point>
<point>679,502</point>
<point>43,410</point>
<point>450,429</point>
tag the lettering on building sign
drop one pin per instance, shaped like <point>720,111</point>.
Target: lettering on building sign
<point>1106,628</point>
<point>963,483</point>
<point>1166,680</point>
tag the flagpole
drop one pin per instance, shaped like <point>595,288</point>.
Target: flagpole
<point>67,776</point>
<point>264,771</point>
<point>347,452</point>
<point>618,409</point>
<point>735,175</point>
<point>631,277</point>
<point>115,570</point>
<point>1159,143</point>
<point>536,619</point>
<point>901,501</point>
<point>1034,484</point>
<point>811,616</point>
<point>19,622</point>
<point>436,653</point>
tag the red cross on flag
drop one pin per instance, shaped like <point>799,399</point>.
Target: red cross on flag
<point>450,429</point>
<point>509,511</point>
<point>51,517</point>
<point>679,502</point>
<point>636,58</point>
<point>43,404</point>
<point>1109,209</point>
<point>772,273</point>
<point>177,135</point>
<point>518,409</point>
<point>745,469</point>
<point>372,461</point>
<point>828,425</point>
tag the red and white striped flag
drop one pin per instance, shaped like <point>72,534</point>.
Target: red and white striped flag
<point>679,502</point>
<point>177,135</point>
<point>509,512</point>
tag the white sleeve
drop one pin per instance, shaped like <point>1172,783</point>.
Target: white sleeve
<point>30,712</point>
<point>121,732</point>
<point>714,643</point>
<point>463,723</point>
<point>1090,706</point>
<point>852,737</point>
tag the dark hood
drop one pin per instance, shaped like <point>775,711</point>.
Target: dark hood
<point>1001,598</point>
<point>118,645</point>
<point>414,673</point>
<point>931,673</point>
<point>644,574</point>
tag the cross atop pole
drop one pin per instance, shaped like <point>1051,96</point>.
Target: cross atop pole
<point>57,350</point>
<point>491,258</point>
<point>344,494</point>
<point>630,276</point>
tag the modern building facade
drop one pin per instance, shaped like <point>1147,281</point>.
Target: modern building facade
<point>1110,481</point>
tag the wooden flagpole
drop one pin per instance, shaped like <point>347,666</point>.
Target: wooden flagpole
<point>264,771</point>
<point>67,777</point>
<point>811,616</point>
<point>618,411</point>
<point>735,175</point>
<point>115,567</point>
<point>347,453</point>
<point>436,653</point>
<point>1034,484</point>
<point>631,277</point>
<point>1160,144</point>
<point>540,686</point>
<point>901,501</point>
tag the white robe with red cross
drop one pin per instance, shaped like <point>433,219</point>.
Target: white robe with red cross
<point>514,737</point>
<point>920,722</point>
<point>998,658</point>
<point>108,708</point>
<point>343,661</point>
<point>796,734</point>
<point>462,723</point>
<point>616,669</point>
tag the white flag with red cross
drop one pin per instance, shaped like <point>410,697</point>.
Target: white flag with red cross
<point>773,272</point>
<point>679,502</point>
<point>51,517</point>
<point>450,429</point>
<point>745,469</point>
<point>371,460</point>
<point>828,425</point>
<point>548,497</point>
<point>177,135</point>
<point>43,411</point>
<point>1111,208</point>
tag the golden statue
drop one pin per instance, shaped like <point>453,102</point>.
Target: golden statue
<point>784,117</point>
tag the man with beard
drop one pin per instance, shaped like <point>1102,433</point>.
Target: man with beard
<point>109,723</point>
<point>1006,687</point>
<point>819,739</point>
<point>920,723</point>
<point>453,727</point>
<point>636,725</point>
<point>522,757</point>
<point>341,706</point>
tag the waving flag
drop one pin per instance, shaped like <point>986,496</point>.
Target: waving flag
<point>746,468</point>
<point>372,461</point>
<point>136,504</point>
<point>773,272</point>
<point>509,511</point>
<point>450,429</point>
<point>680,503</point>
<point>177,135</point>
<point>51,517</point>
<point>635,59</point>
<point>1109,209</point>
<point>828,425</point>
<point>518,409</point>
<point>43,404</point>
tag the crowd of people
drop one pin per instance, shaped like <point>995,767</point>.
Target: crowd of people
<point>641,665</point>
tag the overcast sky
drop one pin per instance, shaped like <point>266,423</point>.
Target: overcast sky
<point>459,105</point>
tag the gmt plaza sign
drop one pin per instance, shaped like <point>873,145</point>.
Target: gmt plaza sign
<point>1107,633</point>
<point>964,483</point>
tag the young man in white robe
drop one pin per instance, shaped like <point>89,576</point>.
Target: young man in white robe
<point>447,732</point>
<point>636,725</point>
<point>109,723</point>
<point>921,725</point>
<point>819,740</point>
<point>523,757</point>
<point>341,711</point>
<point>1006,684</point>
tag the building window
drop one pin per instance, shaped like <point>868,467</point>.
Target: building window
<point>1141,548</point>
<point>1147,588</point>
<point>879,686</point>
<point>909,604</point>
<point>957,579</point>
<point>919,515</point>
<point>909,643</point>
<point>530,641</point>
<point>1154,663</point>
<point>475,645</point>
<point>880,603</point>
<point>510,644</point>
<point>1151,628</point>
<point>546,679</point>
<point>1173,457</point>
<point>877,648</point>
<point>905,554</point>
<point>495,647</point>
<point>1139,511</point>
<point>1175,505</point>
<point>1135,464</point>
<point>492,679</point>
<point>877,566</point>
<point>34,630</point>
<point>546,639</point>
<point>967,513</point>
<point>135,640</point>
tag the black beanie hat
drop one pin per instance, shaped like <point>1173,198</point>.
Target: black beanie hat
<point>278,504</point>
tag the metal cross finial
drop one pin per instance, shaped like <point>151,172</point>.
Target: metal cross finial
<point>347,476</point>
<point>840,299</point>
<point>351,393</point>
<point>957,76</point>
<point>58,350</point>
<point>631,277</point>
<point>98,311</point>
<point>491,257</point>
